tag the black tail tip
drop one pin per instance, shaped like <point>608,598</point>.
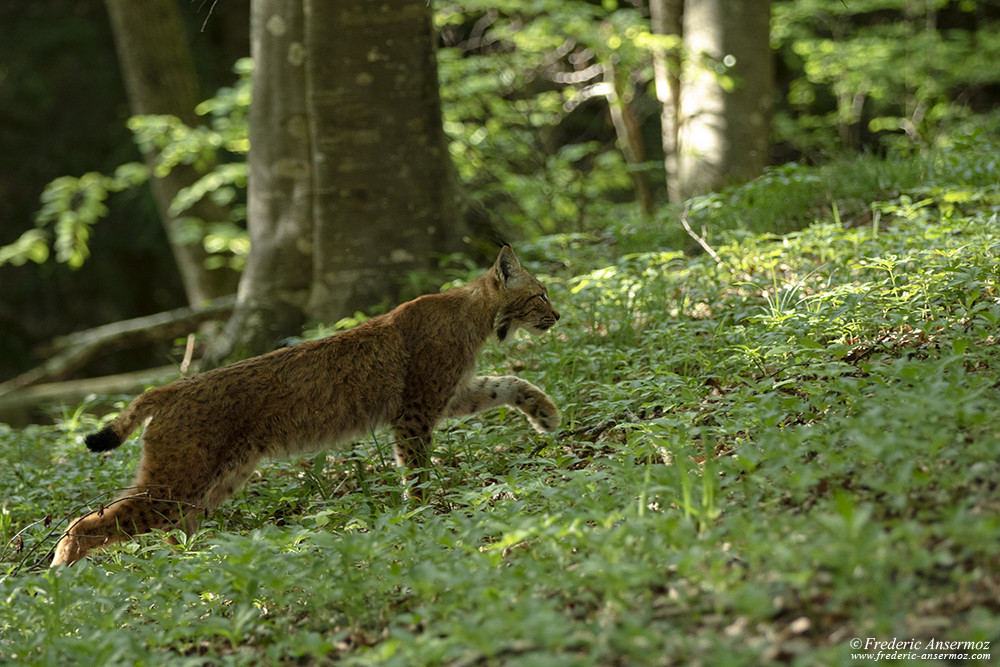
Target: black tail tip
<point>102,441</point>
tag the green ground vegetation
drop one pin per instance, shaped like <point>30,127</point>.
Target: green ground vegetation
<point>765,454</point>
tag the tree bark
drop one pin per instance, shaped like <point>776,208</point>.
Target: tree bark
<point>385,190</point>
<point>160,78</point>
<point>666,18</point>
<point>629,137</point>
<point>350,181</point>
<point>724,134</point>
<point>274,288</point>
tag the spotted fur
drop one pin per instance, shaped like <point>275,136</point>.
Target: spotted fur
<point>406,369</point>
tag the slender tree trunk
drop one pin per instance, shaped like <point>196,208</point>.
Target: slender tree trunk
<point>629,137</point>
<point>666,17</point>
<point>724,129</point>
<point>385,190</point>
<point>274,288</point>
<point>160,78</point>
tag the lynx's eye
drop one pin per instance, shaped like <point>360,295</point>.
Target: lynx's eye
<point>543,297</point>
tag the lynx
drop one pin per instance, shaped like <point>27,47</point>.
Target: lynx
<point>406,369</point>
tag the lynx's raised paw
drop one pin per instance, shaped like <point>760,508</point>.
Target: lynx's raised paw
<point>541,412</point>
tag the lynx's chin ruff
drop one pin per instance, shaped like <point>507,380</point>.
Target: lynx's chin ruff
<point>406,369</point>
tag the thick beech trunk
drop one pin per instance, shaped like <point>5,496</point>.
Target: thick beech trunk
<point>350,182</point>
<point>385,191</point>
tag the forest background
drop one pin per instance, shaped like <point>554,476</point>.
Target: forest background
<point>779,436</point>
<point>552,113</point>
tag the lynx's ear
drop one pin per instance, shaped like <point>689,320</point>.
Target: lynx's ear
<point>507,266</point>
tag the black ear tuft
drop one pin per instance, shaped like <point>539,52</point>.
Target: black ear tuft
<point>507,264</point>
<point>500,242</point>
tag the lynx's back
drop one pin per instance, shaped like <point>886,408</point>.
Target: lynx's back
<point>293,400</point>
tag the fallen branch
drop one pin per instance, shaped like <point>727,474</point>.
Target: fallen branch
<point>23,406</point>
<point>702,240</point>
<point>75,350</point>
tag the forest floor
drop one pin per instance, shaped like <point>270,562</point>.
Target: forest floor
<point>785,453</point>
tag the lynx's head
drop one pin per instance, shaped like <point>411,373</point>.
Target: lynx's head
<point>524,302</point>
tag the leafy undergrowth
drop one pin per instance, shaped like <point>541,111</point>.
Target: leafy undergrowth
<point>763,458</point>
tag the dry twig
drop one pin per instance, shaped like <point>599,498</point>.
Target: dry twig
<point>700,239</point>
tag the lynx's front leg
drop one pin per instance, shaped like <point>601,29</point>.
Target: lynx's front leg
<point>490,391</point>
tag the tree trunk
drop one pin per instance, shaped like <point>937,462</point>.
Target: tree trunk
<point>724,127</point>
<point>629,137</point>
<point>160,78</point>
<point>350,181</point>
<point>385,195</point>
<point>666,17</point>
<point>274,288</point>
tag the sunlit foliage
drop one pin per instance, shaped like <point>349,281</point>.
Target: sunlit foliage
<point>763,456</point>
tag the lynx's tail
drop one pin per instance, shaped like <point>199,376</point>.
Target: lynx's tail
<point>114,434</point>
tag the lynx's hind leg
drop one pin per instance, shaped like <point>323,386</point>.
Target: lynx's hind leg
<point>492,391</point>
<point>170,491</point>
<point>139,511</point>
